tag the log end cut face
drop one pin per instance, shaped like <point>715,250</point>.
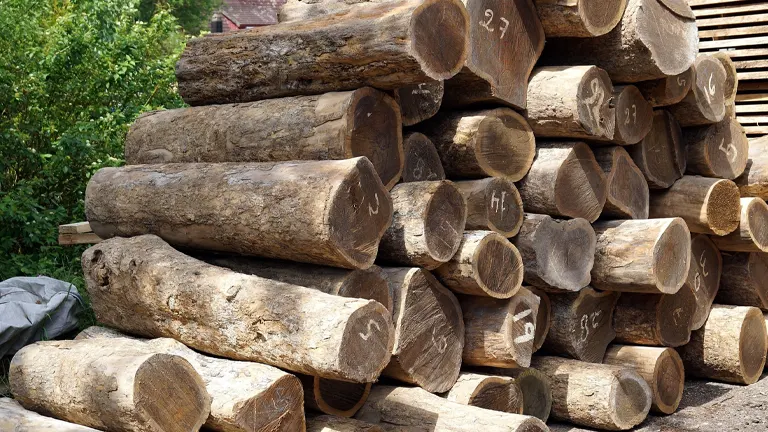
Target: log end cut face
<point>280,407</point>
<point>628,191</point>
<point>498,266</point>
<point>580,187</point>
<point>520,325</point>
<point>419,102</point>
<point>592,324</point>
<point>674,316</point>
<point>752,346</point>
<point>630,399</point>
<point>504,207</point>
<point>757,267</point>
<point>498,394</point>
<point>367,284</point>
<point>565,253</point>
<point>757,222</point>
<point>708,91</point>
<point>672,256</point>
<point>722,207</point>
<point>670,36</point>
<point>704,277</point>
<point>444,220</point>
<point>537,391</point>
<point>727,149</point>
<point>601,16</point>
<point>422,162</point>
<point>661,154</point>
<point>438,31</point>
<point>596,113</point>
<point>668,382</point>
<point>366,344</point>
<point>505,144</point>
<point>339,398</point>
<point>634,116</point>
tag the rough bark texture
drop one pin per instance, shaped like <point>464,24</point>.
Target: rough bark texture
<point>422,163</point>
<point>744,280</point>
<point>536,388</point>
<point>478,144</point>
<point>596,395</point>
<point>13,417</point>
<point>731,85</point>
<point>572,102</point>
<point>142,286</point>
<point>333,397</point>
<point>718,150</point>
<point>655,319</point>
<point>109,385</point>
<point>419,102</point>
<point>754,181</point>
<point>634,115</point>
<point>326,212</point>
<point>582,324</point>
<point>300,10</point>
<point>492,204</point>
<point>661,154</point>
<point>329,423</point>
<point>579,18</point>
<point>646,256</point>
<point>705,103</point>
<point>564,180</point>
<point>668,90</point>
<point>731,346</point>
<point>486,264</point>
<point>498,393</point>
<point>752,233</point>
<point>661,368</point>
<point>703,277</point>
<point>543,318</point>
<point>429,330</point>
<point>404,43</point>
<point>708,206</point>
<point>427,224</point>
<point>627,190</point>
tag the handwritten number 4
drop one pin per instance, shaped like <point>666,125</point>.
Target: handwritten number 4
<point>487,24</point>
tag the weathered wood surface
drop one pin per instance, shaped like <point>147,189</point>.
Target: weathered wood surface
<point>334,397</point>
<point>142,286</point>
<point>752,233</point>
<point>718,150</point>
<point>661,154</point>
<point>668,90</point>
<point>743,282</point>
<point>77,233</point>
<point>325,212</point>
<point>655,319</point>
<point>705,102</point>
<point>634,115</point>
<point>543,317</point>
<point>731,85</point>
<point>754,181</point>
<point>580,18</point>
<point>703,276</point>
<point>419,102</point>
<point>536,388</point>
<point>329,423</point>
<point>422,163</point>
<point>627,190</point>
<point>15,418</point>
<point>492,204</point>
<point>493,392</point>
<point>300,10</point>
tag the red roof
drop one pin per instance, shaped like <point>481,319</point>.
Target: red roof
<point>248,13</point>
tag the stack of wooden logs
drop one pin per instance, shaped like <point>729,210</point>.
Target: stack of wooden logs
<point>284,244</point>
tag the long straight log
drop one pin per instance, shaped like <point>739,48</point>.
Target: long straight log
<point>655,319</point>
<point>668,90</point>
<point>422,163</point>
<point>14,417</point>
<point>492,204</point>
<point>752,233</point>
<point>703,276</point>
<point>314,55</point>
<point>248,208</point>
<point>300,10</point>
<point>731,85</point>
<point>536,388</point>
<point>627,190</point>
<point>634,115</point>
<point>493,392</point>
<point>543,318</point>
<point>334,397</point>
<point>661,154</point>
<point>718,150</point>
<point>143,286</point>
<point>580,18</point>
<point>329,423</point>
<point>705,103</point>
<point>419,102</point>
<point>754,181</point>
<point>744,280</point>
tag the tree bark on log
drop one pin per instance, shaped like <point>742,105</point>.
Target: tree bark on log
<point>564,180</point>
<point>752,233</point>
<point>13,417</point>
<point>543,318</point>
<point>655,319</point>
<point>754,181</point>
<point>329,423</point>
<point>646,256</point>
<point>363,122</point>
<point>634,115</point>
<point>486,264</point>
<point>580,18</point>
<point>421,101</point>
<point>744,280</point>
<point>719,150</point>
<point>248,208</point>
<point>422,163</point>
<point>582,324</point>
<point>429,330</point>
<point>703,276</point>
<point>571,102</point>
<point>479,144</point>
<point>661,368</point>
<point>536,388</point>
<point>142,286</point>
<point>596,395</point>
<point>708,206</point>
<point>109,385</point>
<point>406,42</point>
<point>301,10</point>
<point>731,346</point>
<point>661,154</point>
<point>705,103</point>
<point>627,191</point>
<point>492,204</point>
<point>497,393</point>
<point>731,85</point>
<point>333,397</point>
<point>668,90</point>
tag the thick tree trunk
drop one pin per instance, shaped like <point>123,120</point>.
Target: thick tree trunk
<point>564,180</point>
<point>13,417</point>
<point>627,190</point>
<point>708,206</point>
<point>329,423</point>
<point>142,286</point>
<point>543,318</point>
<point>754,181</point>
<point>634,115</point>
<point>705,103</point>
<point>655,319</point>
<point>422,163</point>
<point>580,18</point>
<point>421,101</point>
<point>333,397</point>
<point>718,150</point>
<point>301,10</point>
<point>668,90</point>
<point>661,154</point>
<point>406,42</point>
<point>478,144</point>
<point>731,85</point>
<point>582,324</point>
<point>661,368</point>
<point>492,204</point>
<point>493,392</point>
<point>536,388</point>
<point>300,211</point>
<point>429,330</point>
<point>703,276</point>
<point>731,346</point>
<point>596,395</point>
<point>486,264</point>
<point>743,282</point>
<point>752,233</point>
<point>647,256</point>
<point>110,385</point>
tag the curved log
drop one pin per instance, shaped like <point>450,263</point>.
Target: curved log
<point>338,398</point>
<point>627,190</point>
<point>743,282</point>
<point>718,150</point>
<point>492,204</point>
<point>582,18</point>
<point>752,233</point>
<point>703,276</point>
<point>661,154</point>
<point>634,115</point>
<point>754,181</point>
<point>422,163</point>
<point>497,393</point>
<point>655,319</point>
<point>668,90</point>
<point>419,102</point>
<point>705,103</point>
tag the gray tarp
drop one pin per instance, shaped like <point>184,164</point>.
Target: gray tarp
<point>35,308</point>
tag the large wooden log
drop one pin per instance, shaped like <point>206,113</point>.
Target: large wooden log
<point>363,122</point>
<point>329,423</point>
<point>486,264</point>
<point>327,212</point>
<point>564,180</point>
<point>645,256</point>
<point>731,346</point>
<point>655,319</point>
<point>661,154</point>
<point>492,204</point>
<point>703,276</point>
<point>429,330</point>
<point>313,56</point>
<point>708,206</point>
<point>493,392</point>
<point>705,103</point>
<point>731,85</point>
<point>595,395</point>
<point>543,318</point>
<point>627,190</point>
<point>536,388</point>
<point>582,324</point>
<point>580,18</point>
<point>754,181</point>
<point>718,150</point>
<point>300,10</point>
<point>245,396</point>
<point>13,417</point>
<point>752,233</point>
<point>743,282</point>
<point>634,115</point>
<point>419,102</point>
<point>427,224</point>
<point>143,286</point>
<point>668,90</point>
<point>661,368</point>
<point>109,385</point>
<point>571,102</point>
<point>334,397</point>
<point>422,163</point>
<point>478,144</point>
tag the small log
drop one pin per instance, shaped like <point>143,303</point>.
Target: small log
<point>634,115</point>
<point>499,333</point>
<point>754,181</point>
<point>412,406</point>
<point>427,224</point>
<point>557,254</point>
<point>478,144</point>
<point>703,276</point>
<point>627,190</point>
<point>422,163</point>
<point>329,423</point>
<point>743,282</point>
<point>655,319</point>
<point>731,346</point>
<point>536,388</point>
<point>595,395</point>
<point>580,18</point>
<point>668,90</point>
<point>543,318</point>
<point>109,385</point>
<point>486,264</point>
<point>492,204</point>
<point>493,392</point>
<point>564,180</point>
<point>731,85</point>
<point>705,103</point>
<point>333,397</point>
<point>571,102</point>
<point>646,256</point>
<point>752,233</point>
<point>429,330</point>
<point>582,324</point>
<point>256,319</point>
<point>314,55</point>
<point>718,150</point>
<point>661,154</point>
<point>13,417</point>
<point>661,368</point>
<point>708,206</point>
<point>419,102</point>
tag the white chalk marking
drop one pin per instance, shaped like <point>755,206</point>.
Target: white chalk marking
<point>730,151</point>
<point>681,81</point>
<point>521,315</point>
<point>703,264</point>
<point>594,102</point>
<point>530,331</point>
<point>504,29</point>
<point>487,24</point>
<point>367,335</point>
<point>371,211</point>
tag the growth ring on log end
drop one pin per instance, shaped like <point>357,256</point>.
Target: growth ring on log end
<point>436,50</point>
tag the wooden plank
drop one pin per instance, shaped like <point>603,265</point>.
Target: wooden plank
<point>721,11</point>
<point>76,239</point>
<point>757,42</point>
<point>751,64</point>
<point>696,3</point>
<point>732,20</point>
<point>756,130</point>
<point>762,75</point>
<point>739,31</point>
<point>753,120</point>
<point>75,228</point>
<point>752,52</point>
<point>753,97</point>
<point>752,108</point>
<point>753,86</point>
